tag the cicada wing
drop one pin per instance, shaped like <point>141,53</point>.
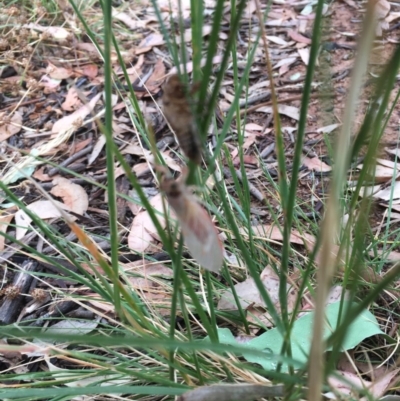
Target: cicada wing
<point>201,238</point>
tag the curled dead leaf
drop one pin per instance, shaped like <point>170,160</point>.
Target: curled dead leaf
<point>74,196</point>
<point>143,233</point>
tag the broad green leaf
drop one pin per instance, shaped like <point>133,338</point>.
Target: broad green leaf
<point>270,343</point>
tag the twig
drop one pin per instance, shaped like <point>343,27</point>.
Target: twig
<point>269,103</point>
<point>70,160</point>
<point>21,283</point>
<point>252,189</point>
<point>28,102</point>
<point>12,249</point>
<point>267,150</point>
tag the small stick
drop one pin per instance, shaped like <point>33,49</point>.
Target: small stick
<point>70,160</point>
<point>252,189</point>
<point>20,286</point>
<point>25,103</point>
<point>267,150</point>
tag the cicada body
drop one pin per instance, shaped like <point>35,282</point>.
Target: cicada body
<point>177,111</point>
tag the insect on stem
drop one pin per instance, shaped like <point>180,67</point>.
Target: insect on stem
<point>178,112</point>
<point>199,232</point>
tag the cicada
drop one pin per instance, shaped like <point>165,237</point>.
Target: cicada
<point>199,232</point>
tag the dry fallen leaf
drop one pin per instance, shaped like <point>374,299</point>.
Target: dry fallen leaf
<point>149,274</point>
<point>44,209</point>
<point>394,206</point>
<point>274,233</point>
<point>130,22</point>
<point>80,145</point>
<point>382,173</point>
<point>67,122</point>
<point>367,191</point>
<point>304,54</point>
<point>141,169</point>
<point>55,32</point>
<point>382,8</point>
<point>189,65</point>
<point>187,35</point>
<point>335,295</point>
<point>247,159</point>
<point>4,222</point>
<point>98,302</point>
<point>10,126</point>
<point>314,164</point>
<point>393,216</point>
<point>352,3</point>
<point>290,111</point>
<point>40,175</point>
<point>389,192</point>
<point>250,297</point>
<point>72,101</point>
<point>58,72</point>
<point>153,84</point>
<point>394,151</point>
<point>143,232</point>
<point>149,157</point>
<point>259,316</point>
<point>88,70</point>
<point>170,162</point>
<point>150,41</point>
<point>328,128</point>
<point>50,85</point>
<point>176,8</point>
<point>278,40</point>
<point>73,195</point>
<point>379,387</point>
<point>286,62</point>
<point>299,38</point>
<point>97,148</point>
<point>388,163</point>
<point>89,49</point>
<point>253,127</point>
<point>348,385</point>
<point>135,150</point>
